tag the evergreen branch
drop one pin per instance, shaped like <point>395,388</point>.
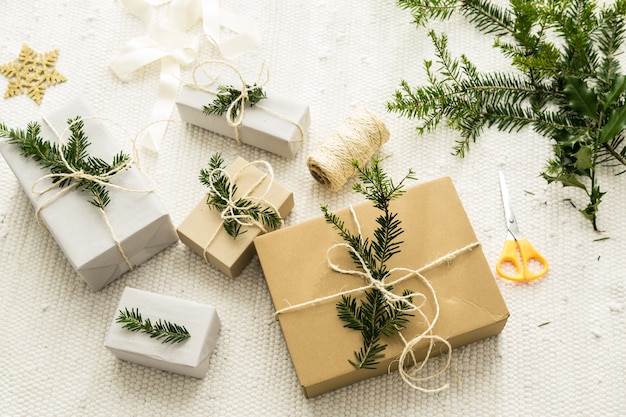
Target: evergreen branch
<point>65,161</point>
<point>374,316</point>
<point>350,313</point>
<point>361,246</point>
<point>236,213</point>
<point>368,356</point>
<point>611,149</point>
<point>162,330</point>
<point>569,88</point>
<point>488,17</point>
<point>610,37</point>
<point>227,95</point>
<point>423,11</point>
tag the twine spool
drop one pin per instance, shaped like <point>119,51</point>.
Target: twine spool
<point>361,135</point>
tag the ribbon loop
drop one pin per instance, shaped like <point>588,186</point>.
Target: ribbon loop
<point>169,43</point>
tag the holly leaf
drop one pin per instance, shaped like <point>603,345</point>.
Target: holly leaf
<point>618,87</point>
<point>615,124</point>
<point>583,158</point>
<point>570,180</point>
<point>581,98</point>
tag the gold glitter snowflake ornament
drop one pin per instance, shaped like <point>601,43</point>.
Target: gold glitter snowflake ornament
<point>31,73</point>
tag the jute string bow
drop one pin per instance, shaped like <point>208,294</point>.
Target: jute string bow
<point>236,110</point>
<point>232,211</point>
<point>410,375</point>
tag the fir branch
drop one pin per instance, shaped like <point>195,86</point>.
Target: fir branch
<point>423,11</point>
<point>222,191</point>
<point>373,315</point>
<point>488,17</point>
<point>68,159</point>
<point>162,330</point>
<point>570,89</point>
<point>227,95</point>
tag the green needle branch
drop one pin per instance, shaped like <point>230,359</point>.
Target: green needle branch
<point>66,160</point>
<point>373,316</point>
<point>222,190</point>
<point>567,83</point>
<point>161,330</point>
<point>227,95</point>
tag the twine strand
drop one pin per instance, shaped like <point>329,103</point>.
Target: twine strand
<point>446,259</point>
<point>118,244</point>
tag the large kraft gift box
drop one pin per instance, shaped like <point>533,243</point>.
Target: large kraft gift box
<point>294,261</point>
<point>139,220</point>
<point>272,125</point>
<point>231,255</point>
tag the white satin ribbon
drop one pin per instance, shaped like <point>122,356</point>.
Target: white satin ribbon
<point>169,43</point>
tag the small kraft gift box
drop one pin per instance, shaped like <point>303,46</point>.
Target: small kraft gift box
<point>296,268</point>
<point>276,124</point>
<point>202,230</point>
<point>190,357</point>
<point>139,225</point>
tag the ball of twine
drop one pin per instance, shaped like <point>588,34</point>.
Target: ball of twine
<point>357,139</point>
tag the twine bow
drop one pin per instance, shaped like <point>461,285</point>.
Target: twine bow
<point>236,109</point>
<point>102,179</point>
<point>168,43</point>
<point>232,211</point>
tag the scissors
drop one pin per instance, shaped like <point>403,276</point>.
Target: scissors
<point>516,246</point>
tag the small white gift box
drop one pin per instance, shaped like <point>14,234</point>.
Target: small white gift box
<point>190,357</point>
<point>276,124</point>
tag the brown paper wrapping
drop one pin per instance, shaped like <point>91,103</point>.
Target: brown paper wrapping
<point>435,224</point>
<point>230,255</point>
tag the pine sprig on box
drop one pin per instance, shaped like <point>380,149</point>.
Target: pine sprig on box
<point>162,330</point>
<point>67,160</point>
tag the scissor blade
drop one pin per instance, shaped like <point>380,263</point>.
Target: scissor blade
<point>511,221</point>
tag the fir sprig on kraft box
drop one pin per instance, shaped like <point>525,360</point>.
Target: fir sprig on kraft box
<point>374,316</point>
<point>568,84</point>
<point>235,212</point>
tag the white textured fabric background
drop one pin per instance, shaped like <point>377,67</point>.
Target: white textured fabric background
<point>337,56</point>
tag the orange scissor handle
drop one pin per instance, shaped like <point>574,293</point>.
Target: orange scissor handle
<point>512,252</point>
